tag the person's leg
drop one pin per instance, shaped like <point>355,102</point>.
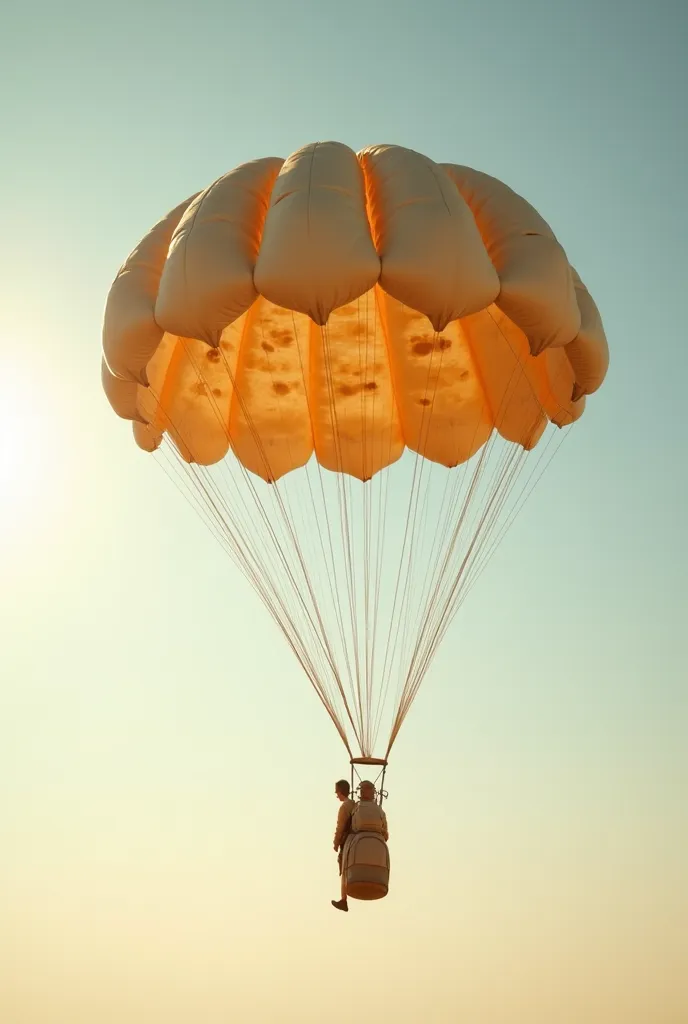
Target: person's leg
<point>342,903</point>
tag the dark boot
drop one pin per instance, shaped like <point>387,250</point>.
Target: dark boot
<point>340,905</point>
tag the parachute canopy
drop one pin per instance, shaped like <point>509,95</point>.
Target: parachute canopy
<point>308,325</point>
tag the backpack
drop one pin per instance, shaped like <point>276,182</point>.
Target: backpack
<point>367,817</point>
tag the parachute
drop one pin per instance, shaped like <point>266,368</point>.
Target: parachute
<point>354,365</point>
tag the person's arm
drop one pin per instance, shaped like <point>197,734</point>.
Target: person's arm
<point>385,830</point>
<point>342,825</point>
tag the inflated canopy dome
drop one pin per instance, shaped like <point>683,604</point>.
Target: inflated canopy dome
<point>335,293</point>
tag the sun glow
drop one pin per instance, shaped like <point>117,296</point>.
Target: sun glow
<point>25,461</point>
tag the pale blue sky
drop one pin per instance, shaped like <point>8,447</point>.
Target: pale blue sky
<point>166,798</point>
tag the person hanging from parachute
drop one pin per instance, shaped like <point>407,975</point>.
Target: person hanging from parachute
<point>362,844</point>
<point>342,790</point>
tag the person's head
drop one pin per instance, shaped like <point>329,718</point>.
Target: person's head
<point>342,789</point>
<point>367,790</point>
